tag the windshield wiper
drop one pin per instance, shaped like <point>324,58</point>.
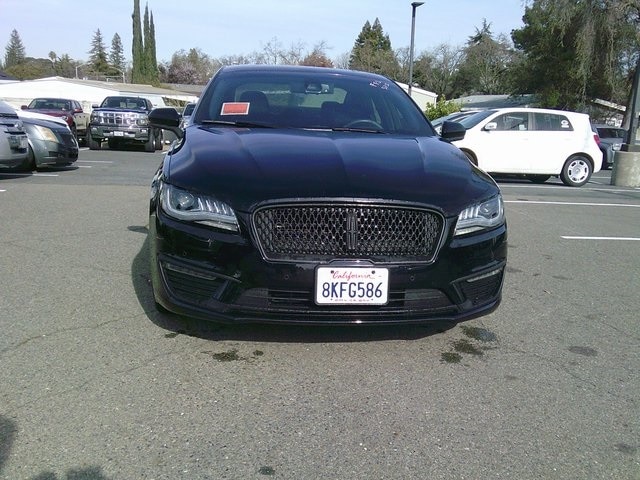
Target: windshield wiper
<point>236,124</point>
<point>361,130</point>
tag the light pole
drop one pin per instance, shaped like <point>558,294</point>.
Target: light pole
<point>414,5</point>
<point>79,65</point>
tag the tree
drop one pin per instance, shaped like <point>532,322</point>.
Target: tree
<point>483,69</point>
<point>149,56</point>
<point>137,49</point>
<point>317,57</point>
<point>14,51</point>
<point>193,67</point>
<point>437,69</point>
<point>573,51</point>
<point>372,51</point>
<point>116,55</point>
<point>98,55</point>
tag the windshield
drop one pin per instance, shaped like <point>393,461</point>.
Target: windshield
<point>476,118</point>
<point>311,100</point>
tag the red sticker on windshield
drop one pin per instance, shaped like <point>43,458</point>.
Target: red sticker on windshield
<point>235,108</point>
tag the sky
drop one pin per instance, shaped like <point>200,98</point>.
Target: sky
<point>239,27</point>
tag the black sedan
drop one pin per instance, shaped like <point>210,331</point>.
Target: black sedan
<point>318,196</point>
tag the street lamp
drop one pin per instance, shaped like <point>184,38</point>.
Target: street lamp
<point>79,65</point>
<point>414,5</point>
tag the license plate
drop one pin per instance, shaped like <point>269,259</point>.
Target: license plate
<point>118,134</point>
<point>352,286</point>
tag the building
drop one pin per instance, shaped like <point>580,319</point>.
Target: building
<point>87,92</point>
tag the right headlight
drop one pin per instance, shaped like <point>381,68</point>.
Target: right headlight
<point>481,216</point>
<point>193,207</point>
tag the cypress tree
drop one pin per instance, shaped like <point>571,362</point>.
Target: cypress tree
<point>137,48</point>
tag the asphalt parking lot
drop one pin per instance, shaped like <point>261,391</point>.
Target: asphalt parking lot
<point>96,384</point>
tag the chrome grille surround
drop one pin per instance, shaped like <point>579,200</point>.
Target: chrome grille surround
<point>316,232</point>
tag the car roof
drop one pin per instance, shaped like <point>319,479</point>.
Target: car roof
<point>299,69</point>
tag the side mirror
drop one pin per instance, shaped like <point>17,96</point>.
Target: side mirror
<point>166,118</point>
<point>452,131</point>
<point>490,126</point>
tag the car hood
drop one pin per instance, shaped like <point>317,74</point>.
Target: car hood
<point>244,167</point>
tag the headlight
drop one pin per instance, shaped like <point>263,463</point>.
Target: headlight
<point>142,121</point>
<point>46,133</point>
<point>192,207</point>
<point>481,216</point>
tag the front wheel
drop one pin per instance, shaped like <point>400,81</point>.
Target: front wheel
<point>576,171</point>
<point>150,144</point>
<point>93,144</point>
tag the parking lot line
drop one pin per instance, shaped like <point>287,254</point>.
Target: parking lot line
<point>628,239</point>
<point>583,204</point>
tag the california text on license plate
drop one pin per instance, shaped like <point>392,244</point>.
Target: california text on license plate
<point>352,285</point>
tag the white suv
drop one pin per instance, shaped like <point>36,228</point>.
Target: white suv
<point>533,142</point>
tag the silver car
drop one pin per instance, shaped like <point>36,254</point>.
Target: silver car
<point>13,138</point>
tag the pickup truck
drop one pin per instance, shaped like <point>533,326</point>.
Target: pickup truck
<point>69,110</point>
<point>122,120</point>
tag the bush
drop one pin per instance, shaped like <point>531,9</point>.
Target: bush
<point>441,108</point>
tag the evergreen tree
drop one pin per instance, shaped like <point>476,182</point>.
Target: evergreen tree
<point>150,65</point>
<point>152,49</point>
<point>372,51</point>
<point>98,54</point>
<point>116,55</point>
<point>14,51</point>
<point>137,49</point>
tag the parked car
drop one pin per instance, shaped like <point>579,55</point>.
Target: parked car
<point>186,113</point>
<point>452,117</point>
<point>50,143</point>
<point>533,142</point>
<point>611,139</point>
<point>67,109</point>
<point>13,139</point>
<point>318,196</point>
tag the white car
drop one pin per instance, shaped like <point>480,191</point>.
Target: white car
<point>533,142</point>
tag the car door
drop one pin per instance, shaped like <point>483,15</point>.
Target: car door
<point>553,140</point>
<point>506,143</point>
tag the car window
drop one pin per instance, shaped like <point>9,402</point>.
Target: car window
<point>552,122</point>
<point>512,121</point>
<point>611,132</point>
<point>476,118</point>
<point>294,101</point>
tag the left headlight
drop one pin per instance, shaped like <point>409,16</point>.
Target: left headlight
<point>46,133</point>
<point>192,207</point>
<point>481,216</point>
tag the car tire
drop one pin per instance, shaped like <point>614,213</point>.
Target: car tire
<point>576,171</point>
<point>74,132</point>
<point>538,178</point>
<point>93,144</point>
<point>150,144</point>
<point>159,141</point>
<point>29,164</point>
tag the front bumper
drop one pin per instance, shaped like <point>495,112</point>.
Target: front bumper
<point>48,153</point>
<point>221,277</point>
<point>131,134</point>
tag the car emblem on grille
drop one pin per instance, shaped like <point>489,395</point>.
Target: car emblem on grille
<point>352,230</point>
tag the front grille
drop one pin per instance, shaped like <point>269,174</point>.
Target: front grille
<point>118,118</point>
<point>383,233</point>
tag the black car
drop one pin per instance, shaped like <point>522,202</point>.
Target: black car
<point>319,196</point>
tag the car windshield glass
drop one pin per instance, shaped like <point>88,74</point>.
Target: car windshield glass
<point>476,118</point>
<point>312,101</point>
